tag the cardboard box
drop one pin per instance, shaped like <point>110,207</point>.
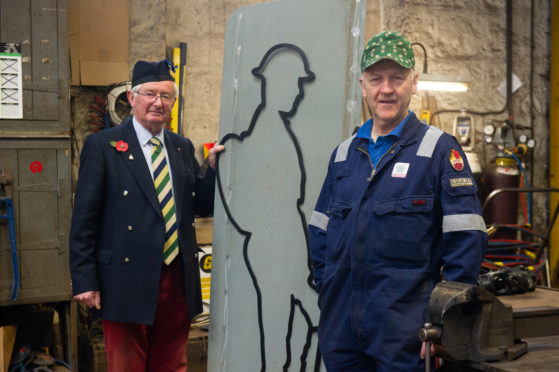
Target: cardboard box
<point>7,339</point>
<point>204,228</point>
<point>98,32</point>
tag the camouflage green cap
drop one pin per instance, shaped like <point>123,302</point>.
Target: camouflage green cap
<point>388,45</point>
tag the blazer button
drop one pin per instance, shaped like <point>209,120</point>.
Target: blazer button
<point>130,228</point>
<point>125,193</point>
<point>126,260</point>
<point>193,194</point>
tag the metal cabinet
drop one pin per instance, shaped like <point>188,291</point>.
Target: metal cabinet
<point>40,27</point>
<point>41,197</point>
<point>36,151</point>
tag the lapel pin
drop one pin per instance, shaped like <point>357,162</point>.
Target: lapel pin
<point>178,148</point>
<point>130,157</point>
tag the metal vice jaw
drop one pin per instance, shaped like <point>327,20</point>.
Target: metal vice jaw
<point>471,323</point>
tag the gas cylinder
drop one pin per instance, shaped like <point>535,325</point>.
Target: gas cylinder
<point>502,209</point>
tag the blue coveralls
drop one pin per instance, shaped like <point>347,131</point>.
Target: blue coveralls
<point>379,236</point>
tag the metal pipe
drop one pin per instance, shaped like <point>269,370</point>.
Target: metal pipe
<point>553,130</point>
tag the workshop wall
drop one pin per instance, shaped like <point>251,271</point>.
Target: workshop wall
<point>461,37</point>
<point>468,38</point>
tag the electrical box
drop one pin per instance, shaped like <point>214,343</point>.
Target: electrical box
<point>464,130</point>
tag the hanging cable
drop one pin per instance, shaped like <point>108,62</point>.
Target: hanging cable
<point>501,253</point>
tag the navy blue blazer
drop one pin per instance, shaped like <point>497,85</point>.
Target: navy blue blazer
<point>117,231</point>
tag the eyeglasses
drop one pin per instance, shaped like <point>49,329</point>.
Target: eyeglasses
<point>151,97</point>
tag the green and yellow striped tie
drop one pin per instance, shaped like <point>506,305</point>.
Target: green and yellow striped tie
<point>164,190</point>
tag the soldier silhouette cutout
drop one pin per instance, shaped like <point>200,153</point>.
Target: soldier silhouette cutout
<point>271,148</point>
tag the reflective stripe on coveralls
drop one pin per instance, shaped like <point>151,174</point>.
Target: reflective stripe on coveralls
<point>341,153</point>
<point>455,222</point>
<point>463,222</point>
<point>319,220</point>
<point>429,142</point>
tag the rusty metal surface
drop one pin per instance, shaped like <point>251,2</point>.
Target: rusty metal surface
<point>540,297</point>
<point>542,356</point>
<point>34,134</point>
<point>536,322</point>
<point>536,314</point>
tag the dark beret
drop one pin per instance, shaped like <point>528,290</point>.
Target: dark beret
<point>145,72</point>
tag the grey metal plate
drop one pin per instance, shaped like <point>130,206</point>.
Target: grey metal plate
<point>263,310</point>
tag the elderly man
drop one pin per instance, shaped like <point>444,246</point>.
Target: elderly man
<point>133,252</point>
<point>397,213</point>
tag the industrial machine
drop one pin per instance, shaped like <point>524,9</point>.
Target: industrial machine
<point>506,195</point>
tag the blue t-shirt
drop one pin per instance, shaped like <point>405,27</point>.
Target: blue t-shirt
<point>380,147</point>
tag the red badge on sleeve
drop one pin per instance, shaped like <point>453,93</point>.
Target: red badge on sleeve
<point>456,160</point>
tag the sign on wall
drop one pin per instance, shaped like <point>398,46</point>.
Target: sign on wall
<point>11,105</point>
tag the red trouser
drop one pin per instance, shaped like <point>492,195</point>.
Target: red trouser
<point>160,347</point>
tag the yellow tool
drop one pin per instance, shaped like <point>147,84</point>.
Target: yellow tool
<point>179,61</point>
<point>174,124</point>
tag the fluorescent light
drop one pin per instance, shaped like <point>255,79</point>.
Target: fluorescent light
<point>444,83</point>
<point>444,86</point>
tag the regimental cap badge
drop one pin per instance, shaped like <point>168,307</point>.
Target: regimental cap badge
<point>146,72</point>
<point>456,160</point>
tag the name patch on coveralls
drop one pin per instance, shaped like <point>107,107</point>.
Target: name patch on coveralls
<point>400,170</point>
<point>462,181</point>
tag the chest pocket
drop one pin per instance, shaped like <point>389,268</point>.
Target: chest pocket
<point>349,181</point>
<point>414,204</point>
<point>340,175</point>
<point>338,229</point>
<point>403,231</point>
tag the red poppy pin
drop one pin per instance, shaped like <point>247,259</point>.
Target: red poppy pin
<point>119,145</point>
<point>456,160</point>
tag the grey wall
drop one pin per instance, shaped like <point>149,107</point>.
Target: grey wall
<point>468,38</point>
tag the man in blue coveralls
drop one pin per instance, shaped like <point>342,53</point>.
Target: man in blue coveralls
<point>398,212</point>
